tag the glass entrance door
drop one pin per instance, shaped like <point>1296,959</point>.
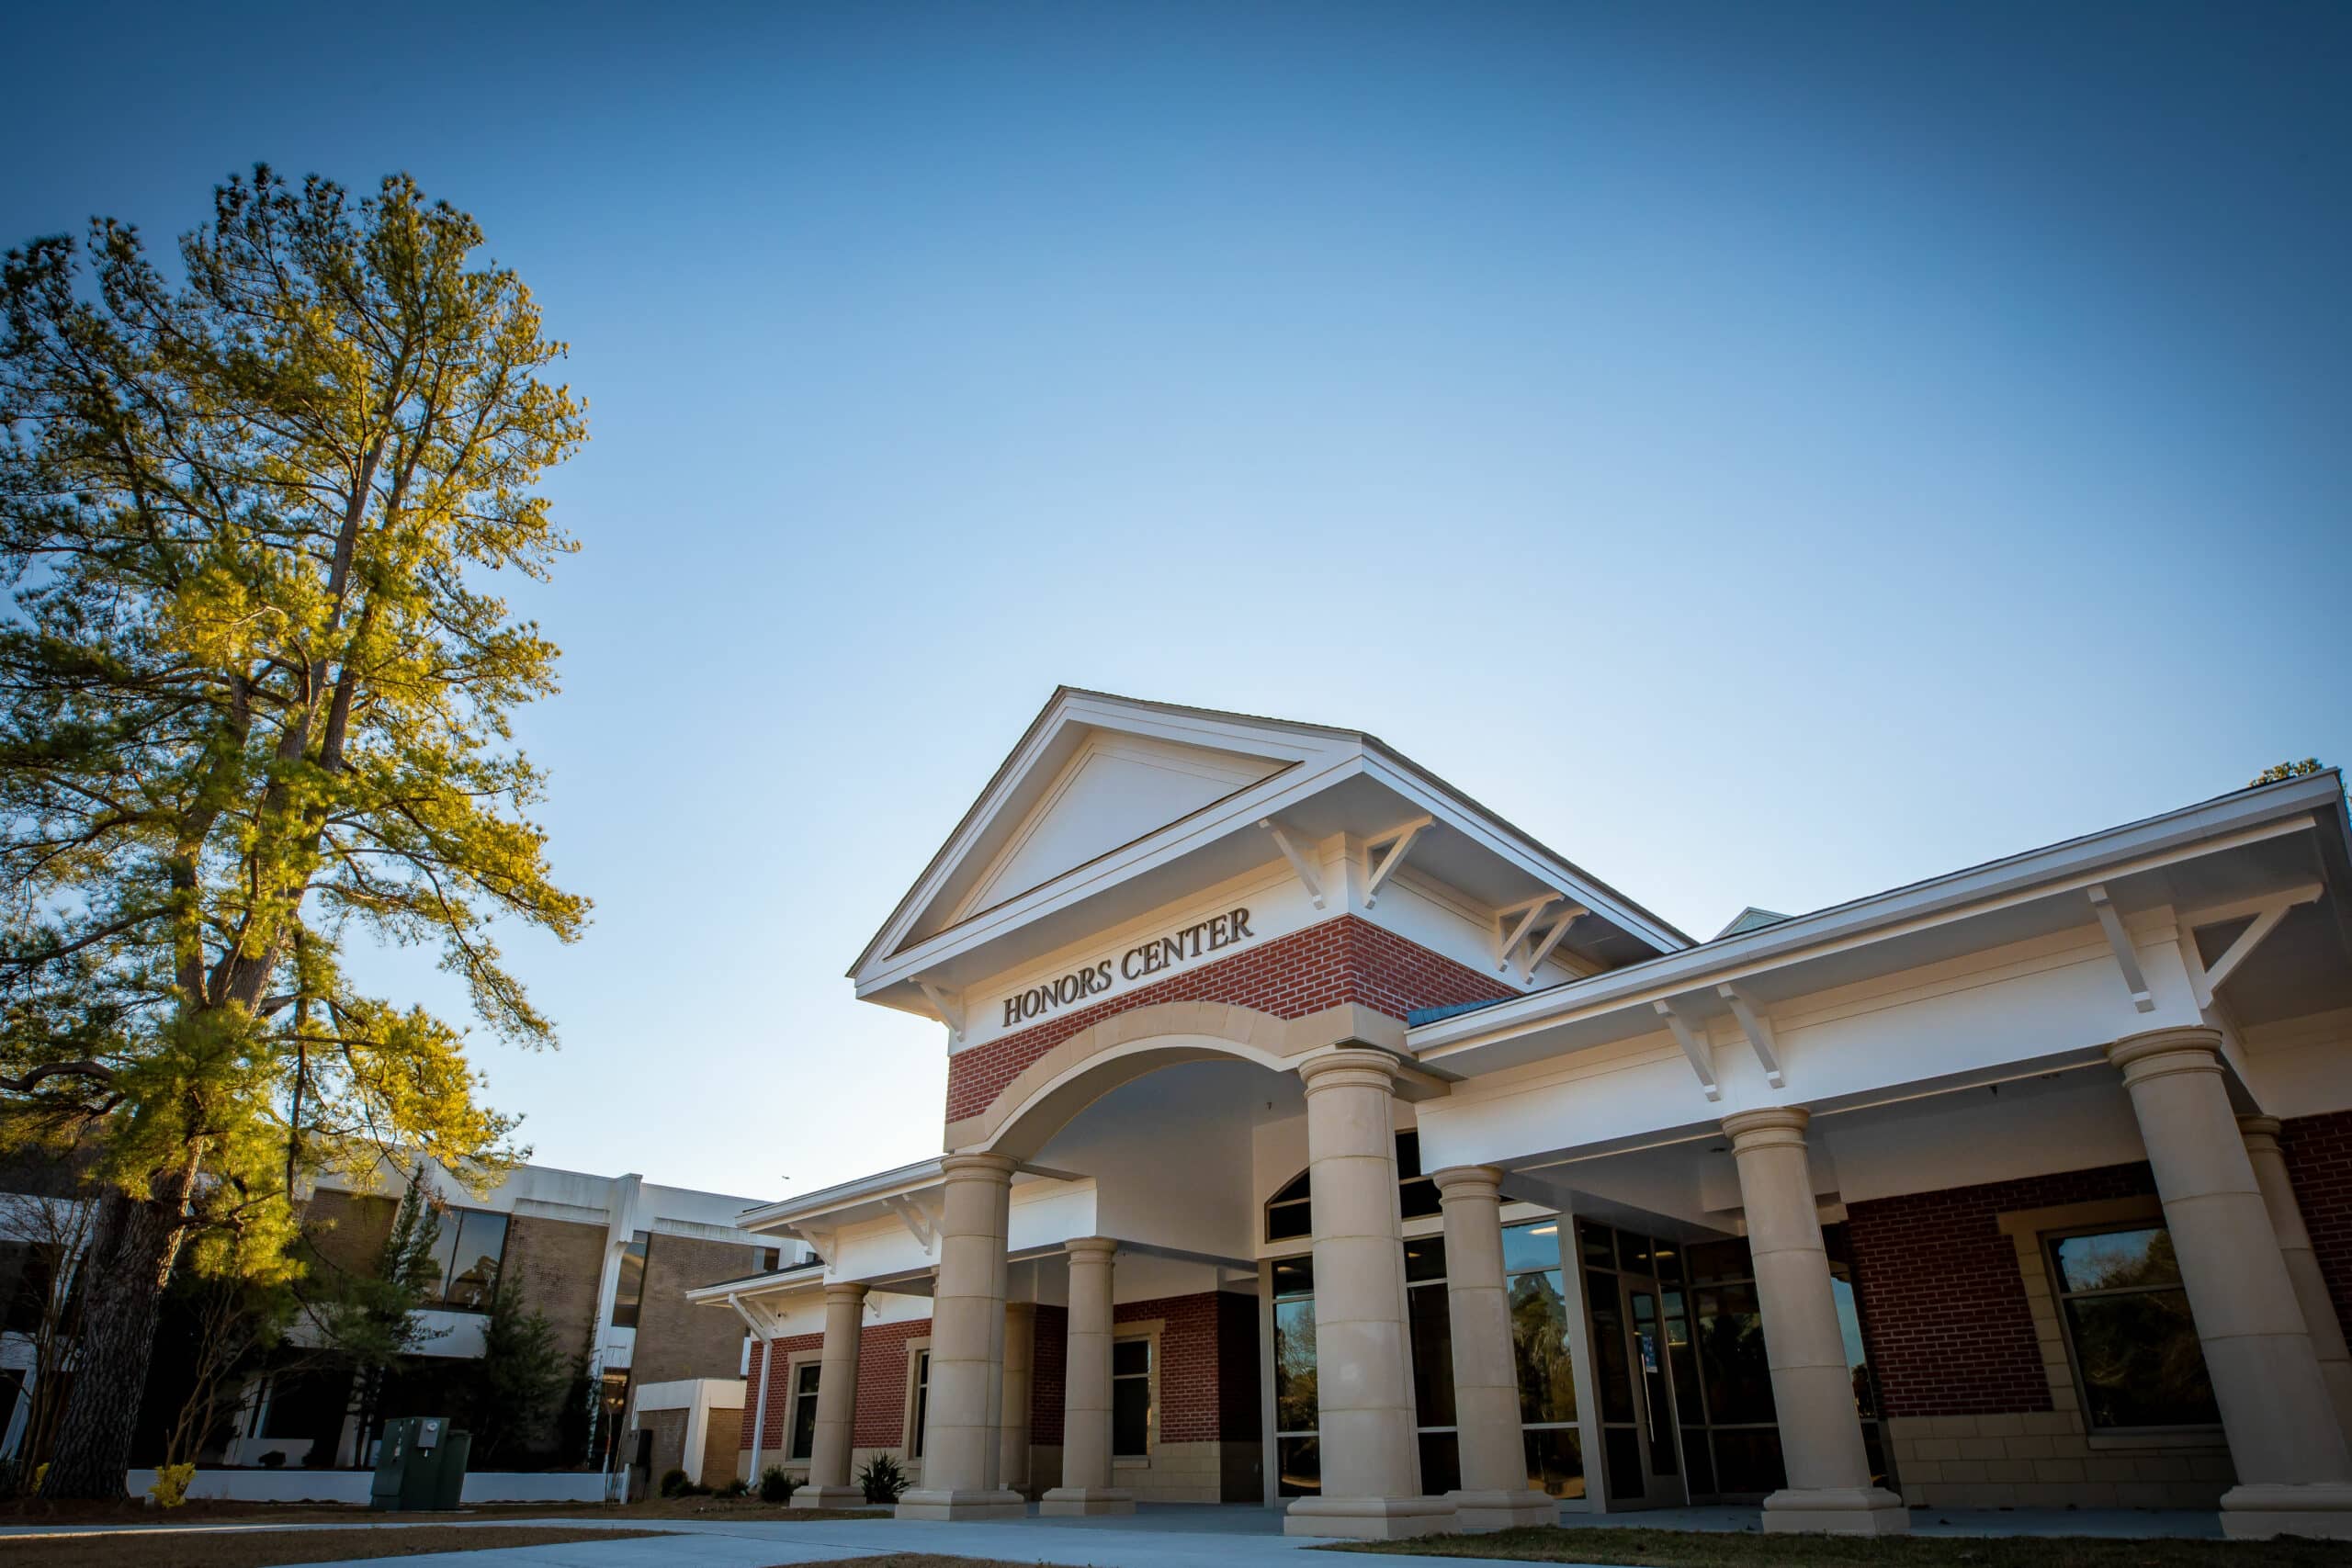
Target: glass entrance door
<point>1653,1393</point>
<point>1633,1326</point>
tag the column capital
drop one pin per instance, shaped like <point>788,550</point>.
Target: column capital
<point>2189,1049</point>
<point>850,1290</point>
<point>1350,1066</point>
<point>977,1166</point>
<point>1090,1248</point>
<point>1456,1181</point>
<point>1771,1124</point>
<point>2259,1131</point>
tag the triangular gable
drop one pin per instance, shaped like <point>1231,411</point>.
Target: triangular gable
<point>1092,774</point>
<point>1118,787</point>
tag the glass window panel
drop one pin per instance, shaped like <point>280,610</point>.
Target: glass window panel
<point>1539,1337</point>
<point>482,1239</point>
<point>1634,1252</point>
<point>1730,1335</point>
<point>1424,1258</point>
<point>1612,1364</point>
<point>1440,1463</point>
<point>2139,1361</point>
<point>1747,1460</point>
<point>1699,1462</point>
<point>1295,1406</point>
<point>1409,1156</point>
<point>1130,1357</point>
<point>1670,1262</point>
<point>804,1413</point>
<point>1555,1461</point>
<point>1298,1467</point>
<point>1622,1453</point>
<point>2117,1260</point>
<point>1532,1245</point>
<point>1689,1399</point>
<point>1297,1190</point>
<point>1130,1416</point>
<point>1849,1328</point>
<point>922,1404</point>
<point>1713,1261</point>
<point>446,1223</point>
<point>1600,1252</point>
<point>1287,1220</point>
<point>1874,1452</point>
<point>1295,1276</point>
<point>631,1290</point>
<point>1418,1199</point>
<point>1430,1328</point>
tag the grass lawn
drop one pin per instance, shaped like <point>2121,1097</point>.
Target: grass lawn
<point>1697,1549</point>
<point>263,1549</point>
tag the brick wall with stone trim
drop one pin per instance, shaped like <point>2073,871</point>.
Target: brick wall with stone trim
<point>1944,1310</point>
<point>1961,1324</point>
<point>2318,1162</point>
<point>1342,960</point>
<point>779,1409</point>
<point>1047,1370</point>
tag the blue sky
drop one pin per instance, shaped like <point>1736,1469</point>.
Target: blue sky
<point>1771,453</point>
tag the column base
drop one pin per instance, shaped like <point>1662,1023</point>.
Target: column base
<point>1369,1519</point>
<point>1066,1502</point>
<point>2257,1513</point>
<point>953,1506</point>
<point>1837,1510</point>
<point>1503,1510</point>
<point>829,1497</point>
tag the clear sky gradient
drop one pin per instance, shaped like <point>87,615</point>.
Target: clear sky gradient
<point>1772,453</point>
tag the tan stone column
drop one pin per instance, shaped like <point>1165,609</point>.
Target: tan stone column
<point>960,1440</point>
<point>2261,1134</point>
<point>1812,1388</point>
<point>1020,1359</point>
<point>1371,1485</point>
<point>1085,1389</point>
<point>828,1485</point>
<point>1494,1493</point>
<point>2294,1472</point>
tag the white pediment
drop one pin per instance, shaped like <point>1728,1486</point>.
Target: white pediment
<point>1115,789</point>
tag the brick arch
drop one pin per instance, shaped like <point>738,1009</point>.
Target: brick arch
<point>1049,1091</point>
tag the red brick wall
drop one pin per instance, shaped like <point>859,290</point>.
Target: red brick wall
<point>881,1385</point>
<point>1344,959</point>
<point>779,1410</point>
<point>1944,1316</point>
<point>1191,1374</point>
<point>2319,1160</point>
<point>1047,1368</point>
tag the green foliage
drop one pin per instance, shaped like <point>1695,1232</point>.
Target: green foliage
<point>255,697</point>
<point>516,1383</point>
<point>171,1485</point>
<point>739,1487</point>
<point>2279,771</point>
<point>774,1485</point>
<point>675,1484</point>
<point>881,1478</point>
<point>254,692</point>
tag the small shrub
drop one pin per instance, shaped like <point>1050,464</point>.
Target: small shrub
<point>273,1460</point>
<point>738,1487</point>
<point>882,1480</point>
<point>675,1483</point>
<point>172,1483</point>
<point>774,1485</point>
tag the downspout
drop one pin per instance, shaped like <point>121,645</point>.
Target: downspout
<point>760,1397</point>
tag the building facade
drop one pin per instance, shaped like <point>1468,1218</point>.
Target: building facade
<point>1314,1135</point>
<point>608,1260</point>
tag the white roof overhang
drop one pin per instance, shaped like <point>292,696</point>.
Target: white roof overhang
<point>2205,861</point>
<point>1331,781</point>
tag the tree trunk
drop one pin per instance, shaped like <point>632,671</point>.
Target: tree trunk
<point>122,1285</point>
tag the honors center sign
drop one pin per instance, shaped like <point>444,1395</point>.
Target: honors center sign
<point>1154,957</point>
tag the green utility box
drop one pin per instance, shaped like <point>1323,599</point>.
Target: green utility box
<point>421,1464</point>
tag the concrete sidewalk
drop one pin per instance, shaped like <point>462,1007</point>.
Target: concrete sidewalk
<point>1167,1535</point>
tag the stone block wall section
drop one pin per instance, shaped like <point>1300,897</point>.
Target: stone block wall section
<point>559,1264</point>
<point>676,1338</point>
<point>1342,961</point>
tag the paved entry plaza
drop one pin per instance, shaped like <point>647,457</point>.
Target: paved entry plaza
<point>1165,1536</point>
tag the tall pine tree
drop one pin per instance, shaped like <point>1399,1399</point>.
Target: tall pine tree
<point>255,696</point>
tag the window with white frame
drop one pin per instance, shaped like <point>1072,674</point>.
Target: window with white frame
<point>917,1397</point>
<point>2129,1331</point>
<point>801,1442</point>
<point>1131,1365</point>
